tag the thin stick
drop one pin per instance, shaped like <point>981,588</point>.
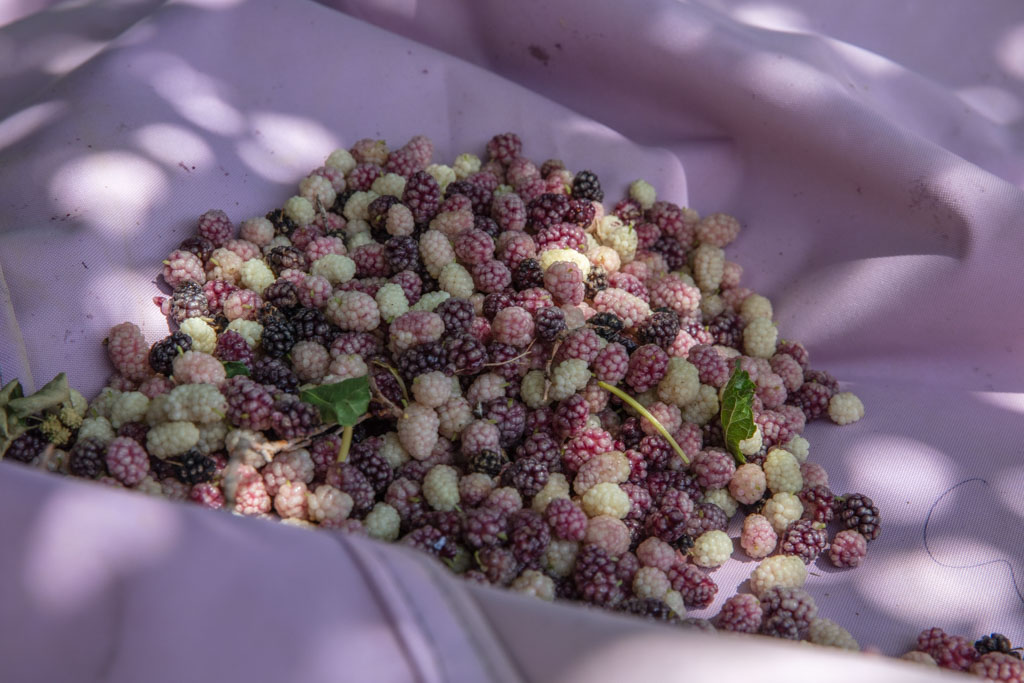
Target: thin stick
<point>398,378</point>
<point>346,443</point>
<point>635,405</point>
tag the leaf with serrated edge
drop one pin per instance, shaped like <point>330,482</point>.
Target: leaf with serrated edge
<point>10,391</point>
<point>342,402</point>
<point>53,394</point>
<point>738,412</point>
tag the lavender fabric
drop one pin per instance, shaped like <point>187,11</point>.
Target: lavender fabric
<point>878,177</point>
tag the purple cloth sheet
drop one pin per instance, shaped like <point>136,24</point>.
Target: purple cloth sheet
<point>876,167</point>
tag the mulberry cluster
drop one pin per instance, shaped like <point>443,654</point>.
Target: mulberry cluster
<point>488,304</point>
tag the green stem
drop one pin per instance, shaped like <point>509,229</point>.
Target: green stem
<point>632,402</point>
<point>346,443</point>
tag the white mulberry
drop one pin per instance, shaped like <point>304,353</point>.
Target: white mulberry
<point>778,571</point>
<point>845,408</point>
<point>711,549</point>
<point>441,487</point>
<point>171,438</point>
<point>781,509</point>
<point>417,430</point>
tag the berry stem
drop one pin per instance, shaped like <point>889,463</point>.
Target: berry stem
<point>346,443</point>
<point>398,378</point>
<point>547,368</point>
<point>632,402</point>
<point>524,354</point>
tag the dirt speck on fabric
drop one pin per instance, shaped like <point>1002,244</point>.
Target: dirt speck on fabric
<point>540,54</point>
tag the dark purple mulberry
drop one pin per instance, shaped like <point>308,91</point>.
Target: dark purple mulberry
<point>88,458</point>
<point>485,526</point>
<point>284,257</point>
<point>529,536</point>
<point>586,185</point>
<point>275,372</point>
<point>422,195</point>
<point>403,253</point>
<point>526,475</point>
<point>424,358</point>
<point>163,352</point>
<point>198,245</point>
<point>528,274</point>
<point>195,468</point>
<point>596,577</point>
<point>541,446</point>
<point>660,328</point>
<point>478,195</point>
<point>547,210</point>
<point>311,325</point>
<point>487,461</point>
<point>278,339</point>
<point>805,539</point>
<point>727,329</point>
<point>549,323</point>
<point>510,416</point>
<point>378,210</point>
<point>281,293</point>
<point>25,448</point>
<point>294,419</point>
<point>466,354</point>
<point>857,511</point>
<point>456,313</point>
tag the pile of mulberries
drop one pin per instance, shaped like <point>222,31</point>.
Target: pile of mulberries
<point>487,302</point>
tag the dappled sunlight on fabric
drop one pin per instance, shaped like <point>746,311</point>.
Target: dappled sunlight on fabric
<point>111,190</point>
<point>140,310</point>
<point>771,16</point>
<point>928,593</point>
<point>209,4</point>
<point>68,53</point>
<point>1005,400</point>
<point>869,62</point>
<point>196,96</point>
<point>1010,484</point>
<point>785,80</point>
<point>263,163</point>
<point>671,30</point>
<point>875,460</point>
<point>996,104</point>
<point>320,659</point>
<point>172,144</point>
<point>65,568</point>
<point>27,121</point>
<point>1009,51</point>
<point>592,143</point>
<point>405,9</point>
<point>864,286</point>
<point>671,656</point>
<point>300,143</point>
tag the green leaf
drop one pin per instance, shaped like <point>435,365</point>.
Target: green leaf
<point>738,412</point>
<point>343,402</point>
<point>15,406</point>
<point>55,393</point>
<point>10,392</point>
<point>233,368</point>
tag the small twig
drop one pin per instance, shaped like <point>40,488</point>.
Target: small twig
<point>398,378</point>
<point>296,444</point>
<point>547,368</point>
<point>396,412</point>
<point>524,354</point>
<point>635,405</point>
